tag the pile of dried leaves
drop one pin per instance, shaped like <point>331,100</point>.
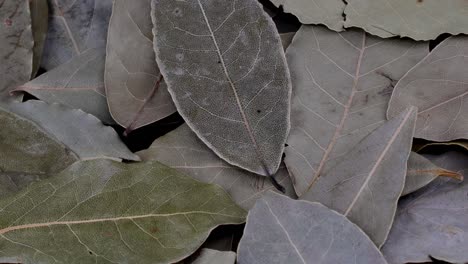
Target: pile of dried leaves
<point>306,136</point>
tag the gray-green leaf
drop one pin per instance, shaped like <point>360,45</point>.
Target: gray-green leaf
<point>438,86</point>
<point>341,86</point>
<point>103,211</point>
<point>182,150</point>
<point>225,68</point>
<point>281,230</point>
<point>210,256</point>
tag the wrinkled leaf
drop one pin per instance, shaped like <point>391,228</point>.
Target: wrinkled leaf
<point>432,222</point>
<point>136,94</point>
<point>281,230</point>
<point>225,69</point>
<point>102,211</point>
<point>422,171</point>
<point>209,256</point>
<point>78,84</point>
<point>39,15</point>
<point>182,150</point>
<point>74,28</point>
<point>16,45</point>
<point>326,12</point>
<point>438,86</point>
<point>82,133</point>
<point>341,86</point>
<point>367,182</point>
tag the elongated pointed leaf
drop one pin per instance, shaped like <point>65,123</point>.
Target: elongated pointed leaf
<point>74,28</point>
<point>438,86</point>
<point>432,222</point>
<point>225,69</point>
<point>16,45</point>
<point>136,94</point>
<point>78,84</point>
<point>276,233</point>
<point>422,171</point>
<point>341,86</point>
<point>109,212</point>
<point>209,256</point>
<point>39,15</point>
<point>367,182</point>
<point>326,12</point>
<point>182,150</point>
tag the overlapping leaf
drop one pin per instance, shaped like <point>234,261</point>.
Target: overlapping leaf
<point>438,86</point>
<point>39,18</point>
<point>281,230</point>
<point>182,150</point>
<point>209,256</point>
<point>341,86</point>
<point>225,69</point>
<point>102,211</point>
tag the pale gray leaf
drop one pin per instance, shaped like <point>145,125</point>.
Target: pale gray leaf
<point>367,182</point>
<point>422,171</point>
<point>438,86</point>
<point>16,47</point>
<point>74,28</point>
<point>432,221</point>
<point>78,84</point>
<point>286,39</point>
<point>226,71</point>
<point>326,12</point>
<point>282,230</point>
<point>39,17</point>
<point>183,150</point>
<point>82,133</point>
<point>210,256</point>
<point>135,91</point>
<point>341,86</point>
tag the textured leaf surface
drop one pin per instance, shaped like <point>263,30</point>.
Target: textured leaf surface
<point>276,233</point>
<point>182,150</point>
<point>209,256</point>
<point>367,182</point>
<point>39,15</point>
<point>326,12</point>
<point>225,69</point>
<point>82,133</point>
<point>74,28</point>
<point>16,45</point>
<point>422,171</point>
<point>432,222</point>
<point>341,86</point>
<point>136,94</point>
<point>102,211</point>
<point>438,86</point>
<point>78,84</point>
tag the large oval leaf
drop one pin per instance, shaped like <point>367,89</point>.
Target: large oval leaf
<point>182,150</point>
<point>432,222</point>
<point>16,45</point>
<point>281,230</point>
<point>74,28</point>
<point>102,211</point>
<point>438,86</point>
<point>225,69</point>
<point>342,83</point>
<point>136,94</point>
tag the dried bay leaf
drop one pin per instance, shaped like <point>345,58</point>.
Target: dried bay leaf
<point>225,69</point>
<point>210,256</point>
<point>183,150</point>
<point>432,221</point>
<point>78,84</point>
<point>39,17</point>
<point>74,28</point>
<point>367,182</point>
<point>102,211</point>
<point>276,233</point>
<point>422,171</point>
<point>457,143</point>
<point>136,94</point>
<point>438,86</point>
<point>341,86</point>
<point>16,45</point>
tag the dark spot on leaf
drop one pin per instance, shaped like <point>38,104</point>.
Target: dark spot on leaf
<point>90,252</point>
<point>154,230</point>
<point>419,1</point>
<point>177,12</point>
<point>219,61</point>
<point>8,22</point>
<point>286,145</point>
<point>366,99</point>
<point>259,111</point>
